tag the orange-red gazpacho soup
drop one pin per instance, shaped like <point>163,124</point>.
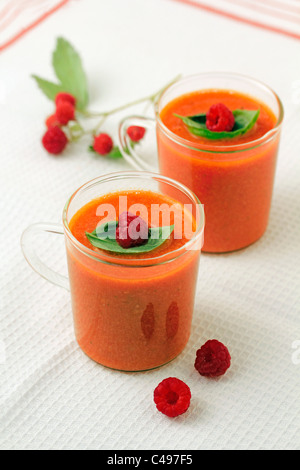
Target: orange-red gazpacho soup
<point>233,180</point>
<point>132,312</point>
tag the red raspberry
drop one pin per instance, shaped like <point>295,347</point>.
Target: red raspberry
<point>65,97</point>
<point>172,397</point>
<point>136,133</point>
<point>212,359</point>
<point>132,230</point>
<point>54,140</point>
<point>65,112</point>
<point>219,118</point>
<point>52,121</point>
<point>103,144</point>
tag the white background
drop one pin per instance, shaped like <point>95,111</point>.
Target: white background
<point>51,394</point>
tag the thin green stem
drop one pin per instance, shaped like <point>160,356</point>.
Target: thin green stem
<point>105,114</point>
<point>76,131</point>
<point>100,123</point>
<point>151,98</point>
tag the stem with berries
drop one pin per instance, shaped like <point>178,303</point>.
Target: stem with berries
<point>65,122</point>
<point>71,96</point>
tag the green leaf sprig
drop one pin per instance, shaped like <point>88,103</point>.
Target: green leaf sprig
<point>244,121</point>
<point>69,70</point>
<point>104,237</point>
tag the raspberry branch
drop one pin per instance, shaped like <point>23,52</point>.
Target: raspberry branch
<point>66,119</point>
<point>105,114</point>
<point>71,99</point>
<point>151,98</point>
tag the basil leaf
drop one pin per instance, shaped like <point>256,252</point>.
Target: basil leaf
<point>69,70</point>
<point>198,119</point>
<point>104,238</point>
<point>244,121</point>
<point>48,88</point>
<point>107,230</point>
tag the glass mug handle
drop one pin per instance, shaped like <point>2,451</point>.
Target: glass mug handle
<point>32,258</point>
<point>125,144</point>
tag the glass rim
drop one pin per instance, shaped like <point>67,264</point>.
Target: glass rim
<point>134,262</point>
<point>209,148</point>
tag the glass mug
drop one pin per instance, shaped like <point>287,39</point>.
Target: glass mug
<point>233,183</point>
<point>129,314</point>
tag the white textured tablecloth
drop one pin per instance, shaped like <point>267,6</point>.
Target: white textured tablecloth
<point>51,395</point>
